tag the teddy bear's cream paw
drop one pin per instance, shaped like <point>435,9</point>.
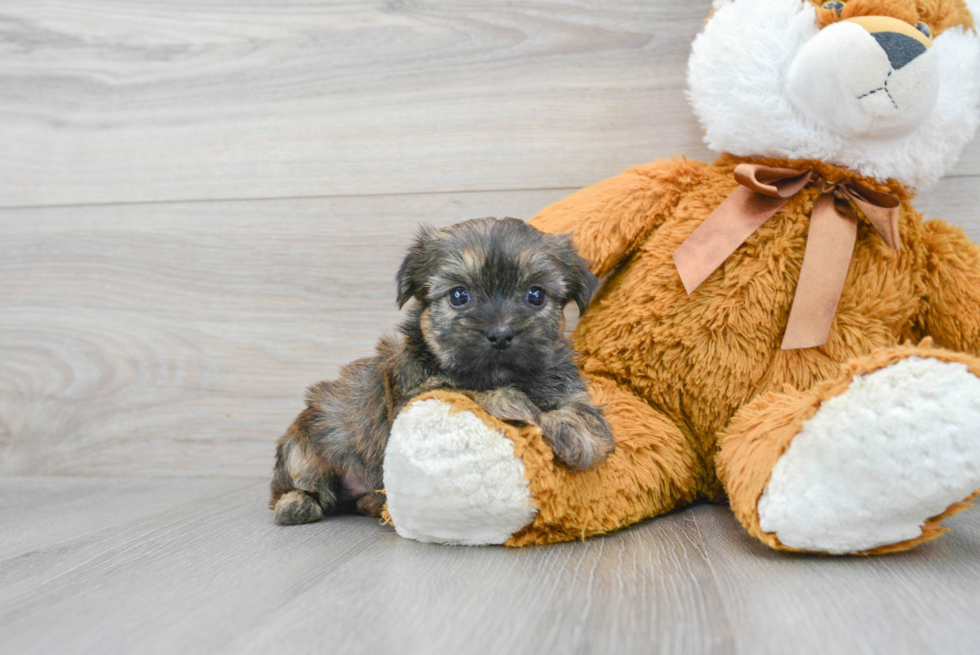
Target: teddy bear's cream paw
<point>898,447</point>
<point>450,478</point>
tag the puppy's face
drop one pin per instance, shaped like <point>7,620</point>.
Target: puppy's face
<point>492,294</point>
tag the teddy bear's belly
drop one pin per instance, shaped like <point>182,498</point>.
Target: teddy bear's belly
<point>699,358</point>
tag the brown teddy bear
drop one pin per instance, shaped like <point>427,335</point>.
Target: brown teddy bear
<point>780,328</point>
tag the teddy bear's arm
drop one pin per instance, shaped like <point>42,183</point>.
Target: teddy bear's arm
<point>951,314</point>
<point>609,219</point>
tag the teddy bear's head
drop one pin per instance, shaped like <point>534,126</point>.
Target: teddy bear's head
<point>888,88</point>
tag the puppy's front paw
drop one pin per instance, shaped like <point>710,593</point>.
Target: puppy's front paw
<point>579,435</point>
<point>508,404</point>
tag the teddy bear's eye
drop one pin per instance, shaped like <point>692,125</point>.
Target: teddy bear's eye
<point>459,297</point>
<point>836,5</point>
<point>535,296</point>
<point>925,29</point>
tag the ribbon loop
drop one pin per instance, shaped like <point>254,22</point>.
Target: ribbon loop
<point>773,182</point>
<point>762,192</point>
<point>881,210</point>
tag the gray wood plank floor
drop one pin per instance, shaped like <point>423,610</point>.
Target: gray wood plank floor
<point>177,338</point>
<point>196,566</point>
<point>106,101</point>
<point>110,101</point>
<point>202,208</point>
<point>192,565</point>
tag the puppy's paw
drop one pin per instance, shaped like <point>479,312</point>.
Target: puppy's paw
<point>579,435</point>
<point>370,504</point>
<point>297,507</point>
<point>508,404</point>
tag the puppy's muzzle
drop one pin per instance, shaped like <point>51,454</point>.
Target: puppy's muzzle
<point>500,337</point>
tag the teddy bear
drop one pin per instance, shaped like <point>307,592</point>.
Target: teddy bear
<point>779,329</point>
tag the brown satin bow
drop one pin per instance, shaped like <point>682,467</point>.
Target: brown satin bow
<point>830,240</point>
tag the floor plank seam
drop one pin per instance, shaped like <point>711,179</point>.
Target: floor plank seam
<point>338,196</point>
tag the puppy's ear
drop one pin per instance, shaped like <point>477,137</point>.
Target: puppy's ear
<point>419,264</point>
<point>580,283</point>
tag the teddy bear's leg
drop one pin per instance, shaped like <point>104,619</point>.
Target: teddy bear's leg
<point>653,470</point>
<point>455,474</point>
<point>869,462</point>
<point>451,476</point>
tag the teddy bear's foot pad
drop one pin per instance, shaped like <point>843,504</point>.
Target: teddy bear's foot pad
<point>898,447</point>
<point>452,478</point>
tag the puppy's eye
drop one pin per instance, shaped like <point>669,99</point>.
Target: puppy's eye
<point>535,296</point>
<point>836,5</point>
<point>459,297</point>
<point>925,29</point>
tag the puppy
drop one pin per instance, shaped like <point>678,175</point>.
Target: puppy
<point>488,323</point>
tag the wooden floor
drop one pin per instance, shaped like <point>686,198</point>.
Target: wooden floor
<point>195,565</point>
<point>202,208</point>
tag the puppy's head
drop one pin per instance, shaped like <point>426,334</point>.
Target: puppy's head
<point>491,295</point>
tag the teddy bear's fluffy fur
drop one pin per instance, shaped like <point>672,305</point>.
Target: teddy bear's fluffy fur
<point>861,445</point>
<point>706,370</point>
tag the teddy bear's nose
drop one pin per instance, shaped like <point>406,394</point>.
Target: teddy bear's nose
<point>900,49</point>
<point>900,41</point>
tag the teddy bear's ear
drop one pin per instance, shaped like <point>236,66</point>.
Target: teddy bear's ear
<point>418,265</point>
<point>580,283</point>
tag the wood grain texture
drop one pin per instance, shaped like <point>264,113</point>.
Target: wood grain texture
<point>956,200</point>
<point>202,569</point>
<point>178,339</point>
<point>106,101</point>
<point>921,601</point>
<point>196,566</point>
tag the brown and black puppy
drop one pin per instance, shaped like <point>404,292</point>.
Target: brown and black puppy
<point>488,322</point>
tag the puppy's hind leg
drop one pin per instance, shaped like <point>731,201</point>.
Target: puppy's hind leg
<point>303,489</point>
<point>295,507</point>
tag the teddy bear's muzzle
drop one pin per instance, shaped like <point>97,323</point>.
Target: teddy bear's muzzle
<point>865,77</point>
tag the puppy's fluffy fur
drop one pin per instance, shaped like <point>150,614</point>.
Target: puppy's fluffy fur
<point>488,322</point>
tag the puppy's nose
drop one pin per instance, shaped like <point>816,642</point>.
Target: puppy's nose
<point>500,337</point>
